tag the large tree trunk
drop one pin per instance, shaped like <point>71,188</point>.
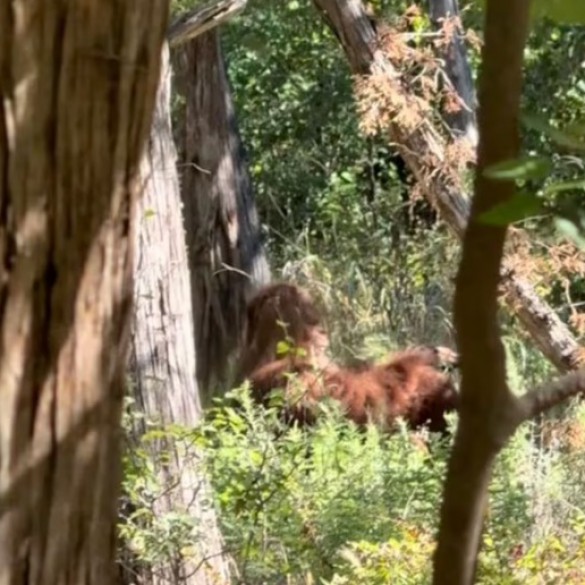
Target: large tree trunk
<point>77,82</point>
<point>424,147</point>
<point>227,259</point>
<point>163,358</point>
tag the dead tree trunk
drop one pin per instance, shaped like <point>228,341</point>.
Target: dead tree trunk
<point>445,16</point>
<point>77,83</point>
<point>227,259</point>
<point>419,149</point>
<point>163,357</point>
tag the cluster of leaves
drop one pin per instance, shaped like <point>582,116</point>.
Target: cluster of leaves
<point>552,172</point>
<point>291,499</point>
<point>151,534</point>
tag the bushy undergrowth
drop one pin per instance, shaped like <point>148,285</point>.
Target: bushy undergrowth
<point>337,505</point>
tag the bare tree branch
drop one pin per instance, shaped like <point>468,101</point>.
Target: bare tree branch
<point>202,19</point>
<point>542,398</point>
<point>445,14</point>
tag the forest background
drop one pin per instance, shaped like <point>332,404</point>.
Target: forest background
<point>340,214</point>
<point>331,144</point>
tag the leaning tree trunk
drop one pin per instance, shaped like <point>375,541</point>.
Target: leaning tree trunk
<point>163,360</point>
<point>424,150</point>
<point>227,259</point>
<point>77,82</point>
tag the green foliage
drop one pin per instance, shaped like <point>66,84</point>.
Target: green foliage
<point>152,534</point>
<point>291,499</point>
<point>333,503</point>
<point>519,207</point>
<point>337,505</point>
<point>293,97</point>
<point>324,190</point>
<point>180,6</point>
<point>403,560</point>
<point>563,11</point>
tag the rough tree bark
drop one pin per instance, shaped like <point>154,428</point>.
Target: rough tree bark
<point>77,82</point>
<point>163,355</point>
<point>462,123</point>
<point>227,259</point>
<point>353,27</point>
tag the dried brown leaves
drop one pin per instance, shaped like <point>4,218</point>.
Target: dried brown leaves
<point>411,94</point>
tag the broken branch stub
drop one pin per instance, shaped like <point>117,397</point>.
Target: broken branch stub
<point>195,22</point>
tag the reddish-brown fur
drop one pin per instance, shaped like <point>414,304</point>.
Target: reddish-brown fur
<point>280,312</point>
<point>409,384</point>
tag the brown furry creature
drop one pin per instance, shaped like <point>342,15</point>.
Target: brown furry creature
<point>409,385</point>
<point>281,312</point>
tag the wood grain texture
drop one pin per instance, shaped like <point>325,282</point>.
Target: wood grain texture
<point>78,81</point>
<point>163,359</point>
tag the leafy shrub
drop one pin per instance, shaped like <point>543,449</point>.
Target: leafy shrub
<point>342,505</point>
<point>291,499</point>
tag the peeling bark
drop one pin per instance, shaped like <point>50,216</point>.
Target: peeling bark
<point>78,83</point>
<point>353,27</point>
<point>163,356</point>
<point>227,259</point>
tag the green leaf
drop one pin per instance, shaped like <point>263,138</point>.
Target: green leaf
<point>572,140</point>
<point>148,213</point>
<point>525,167</point>
<point>282,348</point>
<point>521,206</point>
<point>562,11</point>
<point>564,186</point>
<point>570,230</point>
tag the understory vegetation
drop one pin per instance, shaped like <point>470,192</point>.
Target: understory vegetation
<point>334,504</point>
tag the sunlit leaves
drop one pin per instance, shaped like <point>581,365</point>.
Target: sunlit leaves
<point>573,230</point>
<point>564,186</point>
